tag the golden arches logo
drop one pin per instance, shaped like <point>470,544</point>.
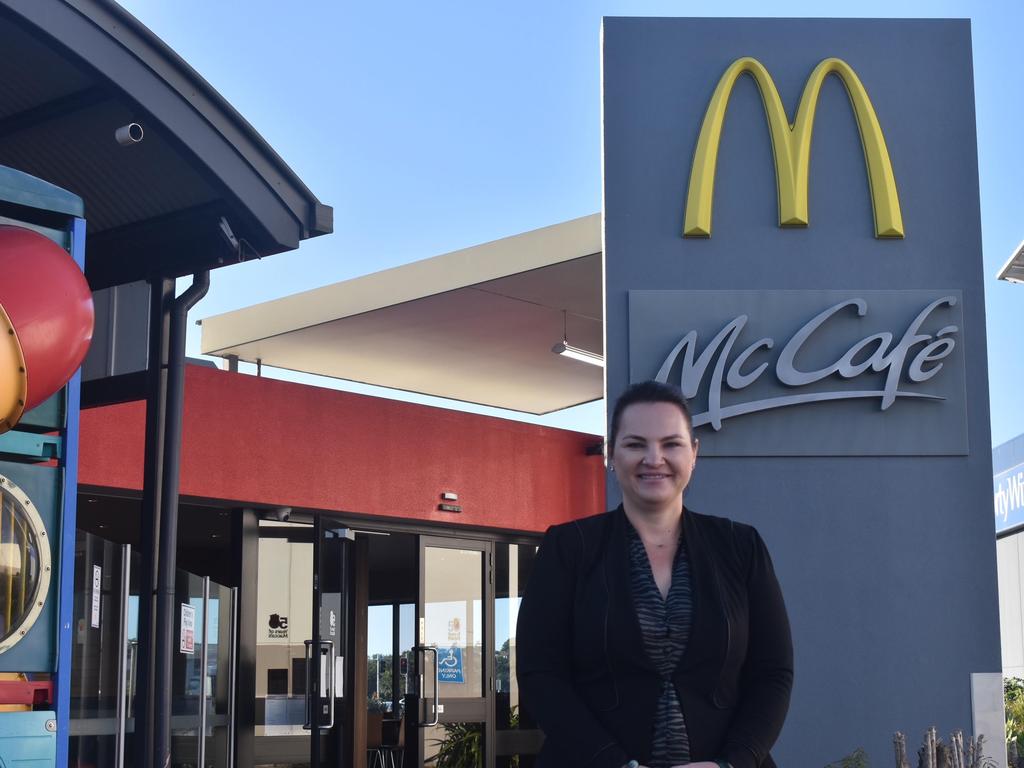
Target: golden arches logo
<point>791,144</point>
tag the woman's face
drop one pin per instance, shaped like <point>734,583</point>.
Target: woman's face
<point>653,455</point>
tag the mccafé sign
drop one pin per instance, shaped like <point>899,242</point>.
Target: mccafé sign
<point>913,355</point>
<point>748,359</point>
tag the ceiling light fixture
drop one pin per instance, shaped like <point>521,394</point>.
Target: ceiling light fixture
<point>566,349</point>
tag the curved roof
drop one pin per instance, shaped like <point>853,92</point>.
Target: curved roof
<point>86,68</point>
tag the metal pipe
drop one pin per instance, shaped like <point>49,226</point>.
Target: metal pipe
<point>233,678</point>
<point>122,656</point>
<point>160,298</point>
<point>168,552</point>
<point>204,660</point>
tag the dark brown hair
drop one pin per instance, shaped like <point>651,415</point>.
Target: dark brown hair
<point>647,392</point>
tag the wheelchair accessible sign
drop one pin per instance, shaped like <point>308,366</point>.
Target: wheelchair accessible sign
<point>449,666</point>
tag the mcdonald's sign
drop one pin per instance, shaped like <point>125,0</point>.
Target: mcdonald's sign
<point>837,376</point>
<point>791,144</point>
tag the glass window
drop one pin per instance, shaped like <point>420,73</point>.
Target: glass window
<point>453,613</point>
<point>379,656</point>
<point>512,566</point>
<point>24,564</point>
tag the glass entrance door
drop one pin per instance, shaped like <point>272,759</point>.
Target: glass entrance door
<point>302,658</point>
<point>104,662</point>
<point>454,665</point>
<point>327,651</point>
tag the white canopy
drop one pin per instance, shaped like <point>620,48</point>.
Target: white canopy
<point>475,325</point>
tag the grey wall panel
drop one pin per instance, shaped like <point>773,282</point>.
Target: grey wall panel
<point>121,333</point>
<point>888,562</point>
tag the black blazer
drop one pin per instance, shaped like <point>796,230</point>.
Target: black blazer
<point>585,677</point>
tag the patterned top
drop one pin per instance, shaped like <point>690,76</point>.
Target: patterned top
<point>665,626</point>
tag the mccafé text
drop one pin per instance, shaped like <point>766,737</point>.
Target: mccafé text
<point>915,354</point>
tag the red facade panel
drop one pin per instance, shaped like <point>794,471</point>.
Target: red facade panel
<point>254,440</point>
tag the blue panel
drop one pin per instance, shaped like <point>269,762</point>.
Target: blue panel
<point>29,445</point>
<point>25,741</point>
<point>67,535</point>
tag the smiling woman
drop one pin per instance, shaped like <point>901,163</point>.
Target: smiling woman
<point>634,617</point>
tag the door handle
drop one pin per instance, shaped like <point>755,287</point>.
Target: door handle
<point>424,649</point>
<point>308,725</point>
<point>326,687</point>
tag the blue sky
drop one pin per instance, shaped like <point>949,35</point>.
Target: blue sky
<point>435,126</point>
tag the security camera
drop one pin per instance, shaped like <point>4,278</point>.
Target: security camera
<point>129,135</point>
<point>283,514</point>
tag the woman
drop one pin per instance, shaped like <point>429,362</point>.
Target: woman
<point>652,635</point>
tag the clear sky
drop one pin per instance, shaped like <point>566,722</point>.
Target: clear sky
<point>435,126</point>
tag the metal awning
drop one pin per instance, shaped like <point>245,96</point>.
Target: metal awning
<point>80,69</point>
<point>475,325</point>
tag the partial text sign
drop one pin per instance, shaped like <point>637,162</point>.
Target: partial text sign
<point>1008,498</point>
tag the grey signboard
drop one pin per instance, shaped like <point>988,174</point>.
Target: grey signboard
<point>718,205</point>
<point>768,373</point>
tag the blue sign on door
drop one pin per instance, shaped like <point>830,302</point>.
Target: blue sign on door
<point>449,666</point>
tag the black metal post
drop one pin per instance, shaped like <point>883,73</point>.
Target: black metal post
<point>160,298</point>
<point>168,553</point>
<point>313,691</point>
<point>246,550</point>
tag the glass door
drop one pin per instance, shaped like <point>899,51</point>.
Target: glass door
<point>454,666</point>
<point>97,714</point>
<point>326,652</point>
<point>284,622</point>
<point>302,659</point>
<point>104,662</point>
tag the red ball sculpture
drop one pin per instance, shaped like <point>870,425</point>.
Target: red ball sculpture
<point>46,320</point>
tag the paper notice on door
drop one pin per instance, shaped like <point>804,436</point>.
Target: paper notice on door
<point>187,641</point>
<point>97,589</point>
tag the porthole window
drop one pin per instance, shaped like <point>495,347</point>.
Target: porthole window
<point>24,564</point>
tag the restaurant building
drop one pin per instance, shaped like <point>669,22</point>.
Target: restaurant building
<point>397,538</point>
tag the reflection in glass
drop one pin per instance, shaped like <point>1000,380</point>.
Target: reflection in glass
<point>388,674</point>
<point>454,745</point>
<point>406,641</point>
<point>188,681</point>
<point>218,674</point>
<point>284,615</point>
<point>94,651</point>
<point>19,563</point>
<point>512,566</point>
<point>453,619</point>
<point>379,657</point>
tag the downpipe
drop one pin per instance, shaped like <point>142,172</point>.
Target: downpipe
<point>168,552</point>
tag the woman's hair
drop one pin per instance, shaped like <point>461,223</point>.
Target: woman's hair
<point>647,392</point>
